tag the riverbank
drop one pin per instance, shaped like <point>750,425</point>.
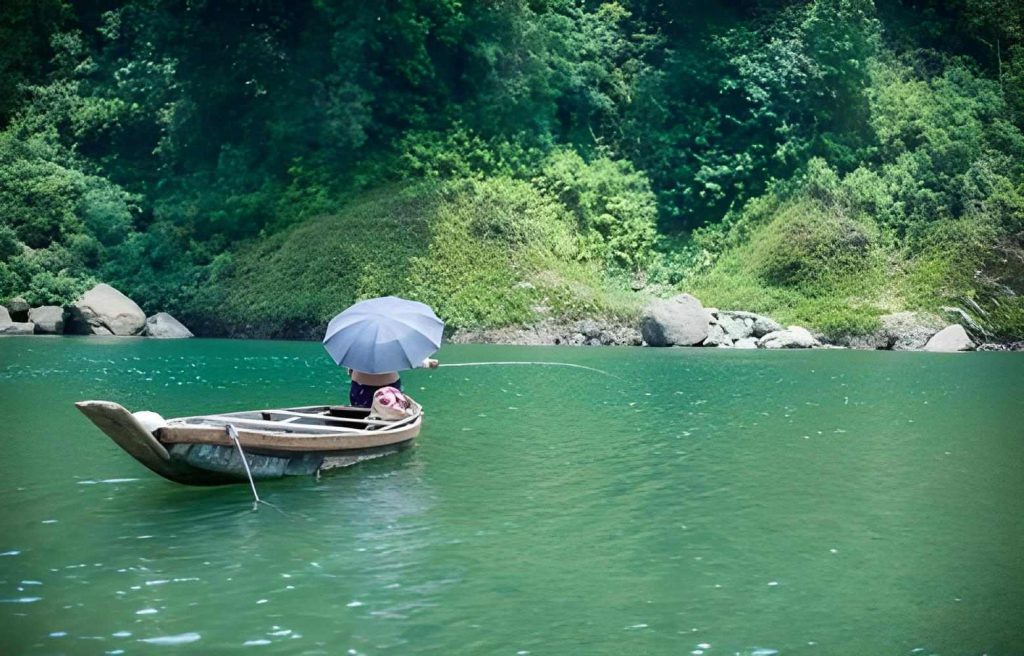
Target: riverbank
<point>102,310</point>
<point>678,321</point>
<point>591,332</point>
<point>684,321</point>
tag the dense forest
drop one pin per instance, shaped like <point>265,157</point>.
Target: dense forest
<point>254,166</point>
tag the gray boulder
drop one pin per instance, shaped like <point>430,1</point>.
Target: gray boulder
<point>950,339</point>
<point>745,343</point>
<point>736,327</point>
<point>105,311</point>
<point>759,325</point>
<point>17,328</point>
<point>765,325</point>
<point>909,331</point>
<point>877,340</point>
<point>575,339</point>
<point>717,336</point>
<point>8,327</point>
<point>18,308</point>
<point>164,326</point>
<point>791,337</point>
<point>49,319</point>
<point>678,321</point>
<point>589,328</point>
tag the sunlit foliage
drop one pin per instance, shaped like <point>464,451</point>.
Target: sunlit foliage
<point>826,160</point>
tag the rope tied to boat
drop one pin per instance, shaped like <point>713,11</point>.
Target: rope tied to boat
<point>233,434</point>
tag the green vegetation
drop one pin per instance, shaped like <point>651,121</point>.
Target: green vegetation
<point>254,166</point>
<point>481,252</point>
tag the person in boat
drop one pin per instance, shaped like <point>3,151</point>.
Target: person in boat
<point>360,394</point>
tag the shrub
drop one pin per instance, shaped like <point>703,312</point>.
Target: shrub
<point>1006,317</point>
<point>11,284</point>
<point>613,203</point>
<point>836,315</point>
<point>49,288</point>
<point>9,244</point>
<point>808,243</point>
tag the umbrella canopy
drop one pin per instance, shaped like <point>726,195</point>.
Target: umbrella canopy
<point>383,334</point>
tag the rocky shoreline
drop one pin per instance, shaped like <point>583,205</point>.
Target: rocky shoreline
<point>678,321</point>
<point>684,321</point>
<point>102,310</point>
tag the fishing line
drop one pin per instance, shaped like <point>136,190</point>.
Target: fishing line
<point>546,364</point>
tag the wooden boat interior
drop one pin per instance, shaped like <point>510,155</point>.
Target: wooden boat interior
<point>307,419</point>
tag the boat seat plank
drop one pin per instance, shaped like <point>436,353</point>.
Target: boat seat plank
<point>268,425</point>
<point>347,420</point>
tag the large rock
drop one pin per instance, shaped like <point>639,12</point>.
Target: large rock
<point>874,341</point>
<point>8,327</point>
<point>679,321</point>
<point>105,311</point>
<point>717,336</point>
<point>791,337</point>
<point>164,326</point>
<point>950,339</point>
<point>746,343</point>
<point>49,319</point>
<point>759,325</point>
<point>909,331</point>
<point>18,308</point>
<point>736,327</point>
<point>17,328</point>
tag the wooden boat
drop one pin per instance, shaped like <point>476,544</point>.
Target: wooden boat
<point>284,442</point>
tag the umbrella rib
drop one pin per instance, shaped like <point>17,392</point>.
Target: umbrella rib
<point>373,344</point>
<point>405,351</point>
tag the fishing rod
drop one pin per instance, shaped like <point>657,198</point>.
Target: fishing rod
<point>517,362</point>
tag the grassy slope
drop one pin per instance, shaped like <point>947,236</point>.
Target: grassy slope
<point>482,253</point>
<point>805,263</point>
<point>836,270</point>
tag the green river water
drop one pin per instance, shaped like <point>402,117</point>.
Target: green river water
<point>705,502</point>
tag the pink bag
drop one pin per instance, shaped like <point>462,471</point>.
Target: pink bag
<point>391,404</point>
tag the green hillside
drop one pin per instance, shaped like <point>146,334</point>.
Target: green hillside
<point>252,167</point>
<point>482,253</point>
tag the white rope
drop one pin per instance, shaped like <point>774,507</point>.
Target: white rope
<point>233,434</point>
<point>550,364</point>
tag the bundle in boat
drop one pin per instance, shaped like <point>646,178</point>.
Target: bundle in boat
<point>274,443</point>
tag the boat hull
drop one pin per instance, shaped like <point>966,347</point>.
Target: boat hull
<point>192,452</point>
<point>226,461</point>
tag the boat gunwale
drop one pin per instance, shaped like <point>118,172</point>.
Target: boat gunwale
<point>280,441</point>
